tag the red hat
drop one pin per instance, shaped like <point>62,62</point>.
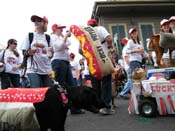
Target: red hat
<point>124,40</point>
<point>34,17</point>
<point>72,55</point>
<point>56,26</point>
<point>91,22</point>
<point>132,30</point>
<point>164,21</point>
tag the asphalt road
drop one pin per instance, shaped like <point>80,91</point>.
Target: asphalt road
<point>120,121</point>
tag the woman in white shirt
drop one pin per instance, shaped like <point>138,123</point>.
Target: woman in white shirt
<point>61,60</point>
<point>38,62</point>
<point>165,27</point>
<point>135,50</point>
<point>12,60</point>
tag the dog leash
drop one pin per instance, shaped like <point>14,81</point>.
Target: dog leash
<point>62,91</point>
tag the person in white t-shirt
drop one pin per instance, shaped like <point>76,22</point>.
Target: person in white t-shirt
<point>103,86</point>
<point>38,62</point>
<point>12,60</point>
<point>75,68</point>
<point>172,24</point>
<point>135,50</point>
<point>61,60</point>
<point>128,85</point>
<point>165,27</point>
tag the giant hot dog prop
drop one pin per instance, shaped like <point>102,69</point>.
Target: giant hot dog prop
<point>98,62</point>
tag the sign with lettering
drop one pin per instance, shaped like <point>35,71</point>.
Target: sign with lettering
<point>98,62</point>
<point>162,91</point>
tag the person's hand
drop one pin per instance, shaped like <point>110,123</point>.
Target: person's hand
<point>68,34</point>
<point>140,50</point>
<point>31,51</point>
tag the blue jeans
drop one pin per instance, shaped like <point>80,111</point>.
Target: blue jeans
<point>75,81</point>
<point>104,89</point>
<point>135,64</point>
<point>128,85</point>
<point>37,80</point>
<point>7,79</point>
<point>63,73</point>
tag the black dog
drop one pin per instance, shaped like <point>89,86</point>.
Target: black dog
<point>52,112</point>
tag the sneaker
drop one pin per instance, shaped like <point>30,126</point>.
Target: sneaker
<point>106,111</point>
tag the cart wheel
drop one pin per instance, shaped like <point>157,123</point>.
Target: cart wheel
<point>147,107</point>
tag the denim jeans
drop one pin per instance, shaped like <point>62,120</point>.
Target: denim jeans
<point>63,73</point>
<point>135,64</point>
<point>104,89</point>
<point>128,85</point>
<point>37,80</point>
<point>7,79</point>
<point>75,81</point>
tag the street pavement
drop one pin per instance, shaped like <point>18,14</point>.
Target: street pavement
<point>120,121</point>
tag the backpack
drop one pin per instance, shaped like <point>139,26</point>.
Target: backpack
<point>2,67</point>
<point>25,54</point>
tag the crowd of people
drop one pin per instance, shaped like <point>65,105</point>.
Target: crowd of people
<point>43,53</point>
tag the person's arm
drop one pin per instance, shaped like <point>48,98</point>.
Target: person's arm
<point>126,59</point>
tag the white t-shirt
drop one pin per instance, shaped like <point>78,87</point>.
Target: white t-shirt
<point>11,60</point>
<point>75,66</point>
<point>61,49</point>
<point>41,63</point>
<point>124,54</point>
<point>132,46</point>
<point>102,34</point>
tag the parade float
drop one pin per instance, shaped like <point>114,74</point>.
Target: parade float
<point>155,95</point>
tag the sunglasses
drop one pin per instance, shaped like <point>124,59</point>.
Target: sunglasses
<point>38,20</point>
<point>14,43</point>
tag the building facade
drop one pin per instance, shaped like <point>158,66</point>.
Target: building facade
<point>119,16</point>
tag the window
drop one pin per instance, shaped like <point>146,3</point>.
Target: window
<point>118,32</point>
<point>146,30</point>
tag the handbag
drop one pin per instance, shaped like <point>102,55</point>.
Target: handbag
<point>2,64</point>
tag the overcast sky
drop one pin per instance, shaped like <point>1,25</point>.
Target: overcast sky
<point>15,15</point>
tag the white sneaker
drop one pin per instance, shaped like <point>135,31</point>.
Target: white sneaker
<point>106,111</point>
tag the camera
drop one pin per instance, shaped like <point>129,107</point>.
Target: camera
<point>68,32</point>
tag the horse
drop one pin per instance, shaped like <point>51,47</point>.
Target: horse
<point>154,45</point>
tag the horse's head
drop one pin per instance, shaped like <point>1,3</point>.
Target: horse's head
<point>153,42</point>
